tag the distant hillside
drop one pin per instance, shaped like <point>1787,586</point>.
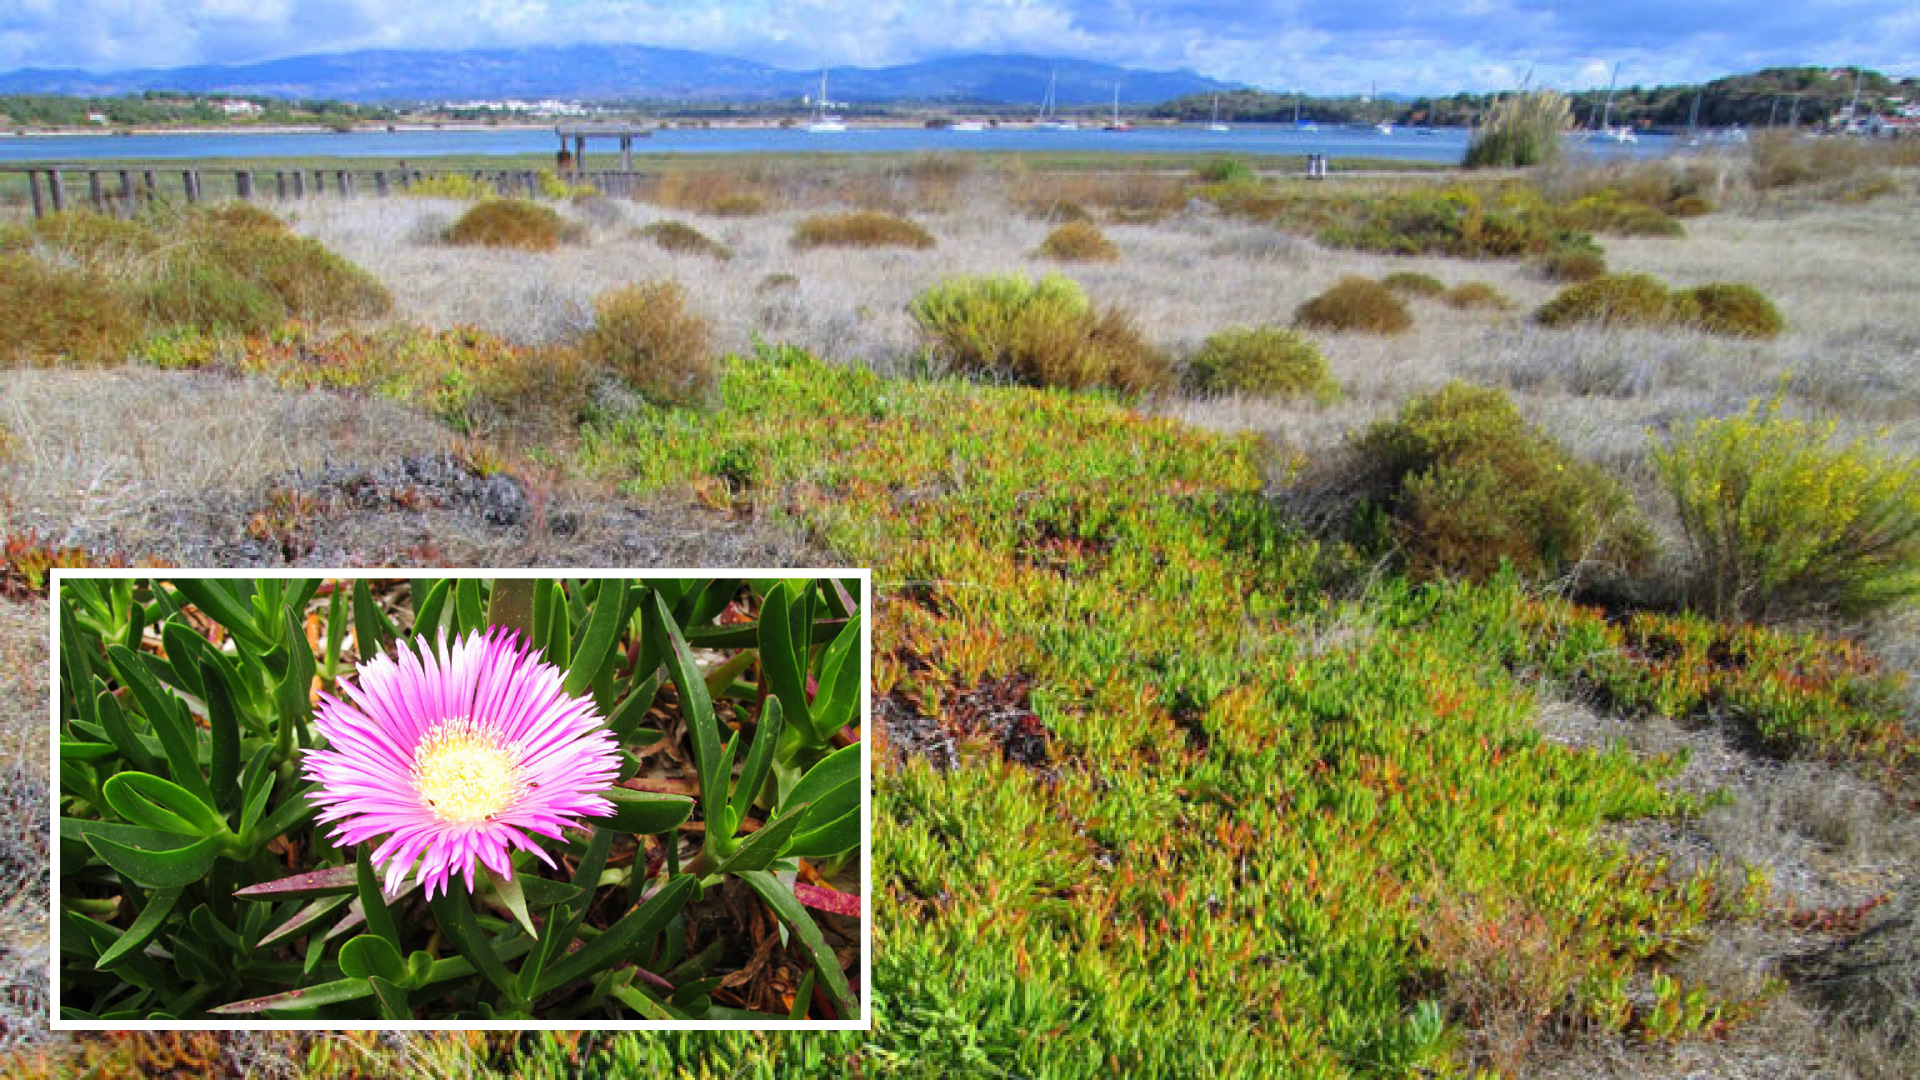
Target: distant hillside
<point>624,72</point>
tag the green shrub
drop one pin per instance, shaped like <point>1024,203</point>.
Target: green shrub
<point>1078,241</point>
<point>451,185</point>
<point>1044,333</point>
<point>1781,521</point>
<point>96,239</point>
<point>1265,361</point>
<point>1476,296</point>
<point>860,229</point>
<point>1574,257</point>
<point>1224,170</point>
<point>1616,300</point>
<point>1357,305</point>
<point>649,336</point>
<point>1521,131</point>
<point>1732,309</point>
<point>511,223</point>
<point>1609,212</point>
<point>1468,484</point>
<point>682,237</point>
<point>1686,206</point>
<point>1414,283</point>
<point>52,315</point>
<point>192,287</point>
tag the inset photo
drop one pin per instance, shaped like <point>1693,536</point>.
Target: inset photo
<point>460,799</point>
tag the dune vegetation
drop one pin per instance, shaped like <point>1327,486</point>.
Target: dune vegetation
<point>1351,634</point>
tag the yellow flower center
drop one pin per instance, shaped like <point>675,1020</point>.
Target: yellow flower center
<point>463,772</point>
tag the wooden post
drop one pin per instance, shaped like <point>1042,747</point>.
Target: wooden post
<point>93,190</point>
<point>147,181</point>
<point>280,185</point>
<point>126,192</point>
<point>579,155</point>
<point>319,181</point>
<point>187,186</point>
<point>626,153</point>
<point>59,190</point>
<point>33,185</point>
<point>342,181</point>
<point>380,183</point>
<point>243,185</point>
<point>299,184</point>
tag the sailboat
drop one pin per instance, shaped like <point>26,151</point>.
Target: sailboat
<point>1215,124</point>
<point>824,123</point>
<point>1048,120</point>
<point>1298,126</point>
<point>1115,124</point>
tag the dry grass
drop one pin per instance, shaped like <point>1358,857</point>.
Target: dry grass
<point>862,229</point>
<point>1079,241</point>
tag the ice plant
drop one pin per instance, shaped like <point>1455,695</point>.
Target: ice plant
<point>456,754</point>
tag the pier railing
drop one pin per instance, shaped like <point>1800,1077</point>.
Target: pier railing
<point>52,189</point>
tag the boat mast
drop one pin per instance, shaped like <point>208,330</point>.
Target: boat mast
<point>1606,117</point>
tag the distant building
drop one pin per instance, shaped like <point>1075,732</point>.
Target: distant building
<point>237,107</point>
<point>96,118</point>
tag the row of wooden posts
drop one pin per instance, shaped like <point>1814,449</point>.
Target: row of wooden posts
<point>122,191</point>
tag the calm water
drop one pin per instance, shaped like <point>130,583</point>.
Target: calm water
<point>1406,144</point>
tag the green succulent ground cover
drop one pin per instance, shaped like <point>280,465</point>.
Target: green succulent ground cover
<point>1269,827</point>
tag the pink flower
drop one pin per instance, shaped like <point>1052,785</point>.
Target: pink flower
<point>458,758</point>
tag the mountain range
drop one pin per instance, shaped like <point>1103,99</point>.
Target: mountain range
<point>631,72</point>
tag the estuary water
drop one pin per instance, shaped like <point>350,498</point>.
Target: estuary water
<point>1407,144</point>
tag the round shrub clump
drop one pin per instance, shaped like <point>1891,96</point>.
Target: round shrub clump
<point>1357,305</point>
<point>1615,300</point>
<point>1476,296</point>
<point>511,223</point>
<point>1264,361</point>
<point>1044,333</point>
<point>51,315</point>
<point>863,229</point>
<point>1079,241</point>
<point>1573,264</point>
<point>649,336</point>
<point>1414,283</point>
<point>1468,485</point>
<point>678,236</point>
<point>1733,309</point>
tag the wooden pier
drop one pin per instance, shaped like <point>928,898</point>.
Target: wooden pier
<point>54,188</point>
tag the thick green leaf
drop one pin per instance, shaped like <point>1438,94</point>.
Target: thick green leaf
<point>223,771</point>
<point>782,659</point>
<point>157,868</point>
<point>169,720</point>
<point>289,814</point>
<point>393,999</point>
<point>637,928</point>
<point>836,769</point>
<point>509,890</point>
<point>753,772</point>
<point>370,954</point>
<point>145,799</point>
<point>114,722</point>
<point>453,912</point>
<point>212,597</point>
<point>602,633</point>
<point>256,787</point>
<point>545,892</point>
<point>77,661</point>
<point>835,706</point>
<point>76,750</point>
<point>303,919</point>
<point>625,721</point>
<point>373,905</point>
<point>564,922</point>
<point>763,847</point>
<point>144,836</point>
<point>294,694</point>
<point>331,993</point>
<point>645,813</point>
<point>145,925</point>
<point>833,838</point>
<point>184,656</point>
<point>744,635</point>
<point>790,911</point>
<point>696,708</point>
<point>469,605</point>
<point>371,629</point>
<point>427,608</point>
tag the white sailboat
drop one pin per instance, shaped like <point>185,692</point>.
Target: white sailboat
<point>1049,120</point>
<point>1215,124</point>
<point>824,123</point>
<point>1116,124</point>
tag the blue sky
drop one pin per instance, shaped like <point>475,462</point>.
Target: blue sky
<point>1323,47</point>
